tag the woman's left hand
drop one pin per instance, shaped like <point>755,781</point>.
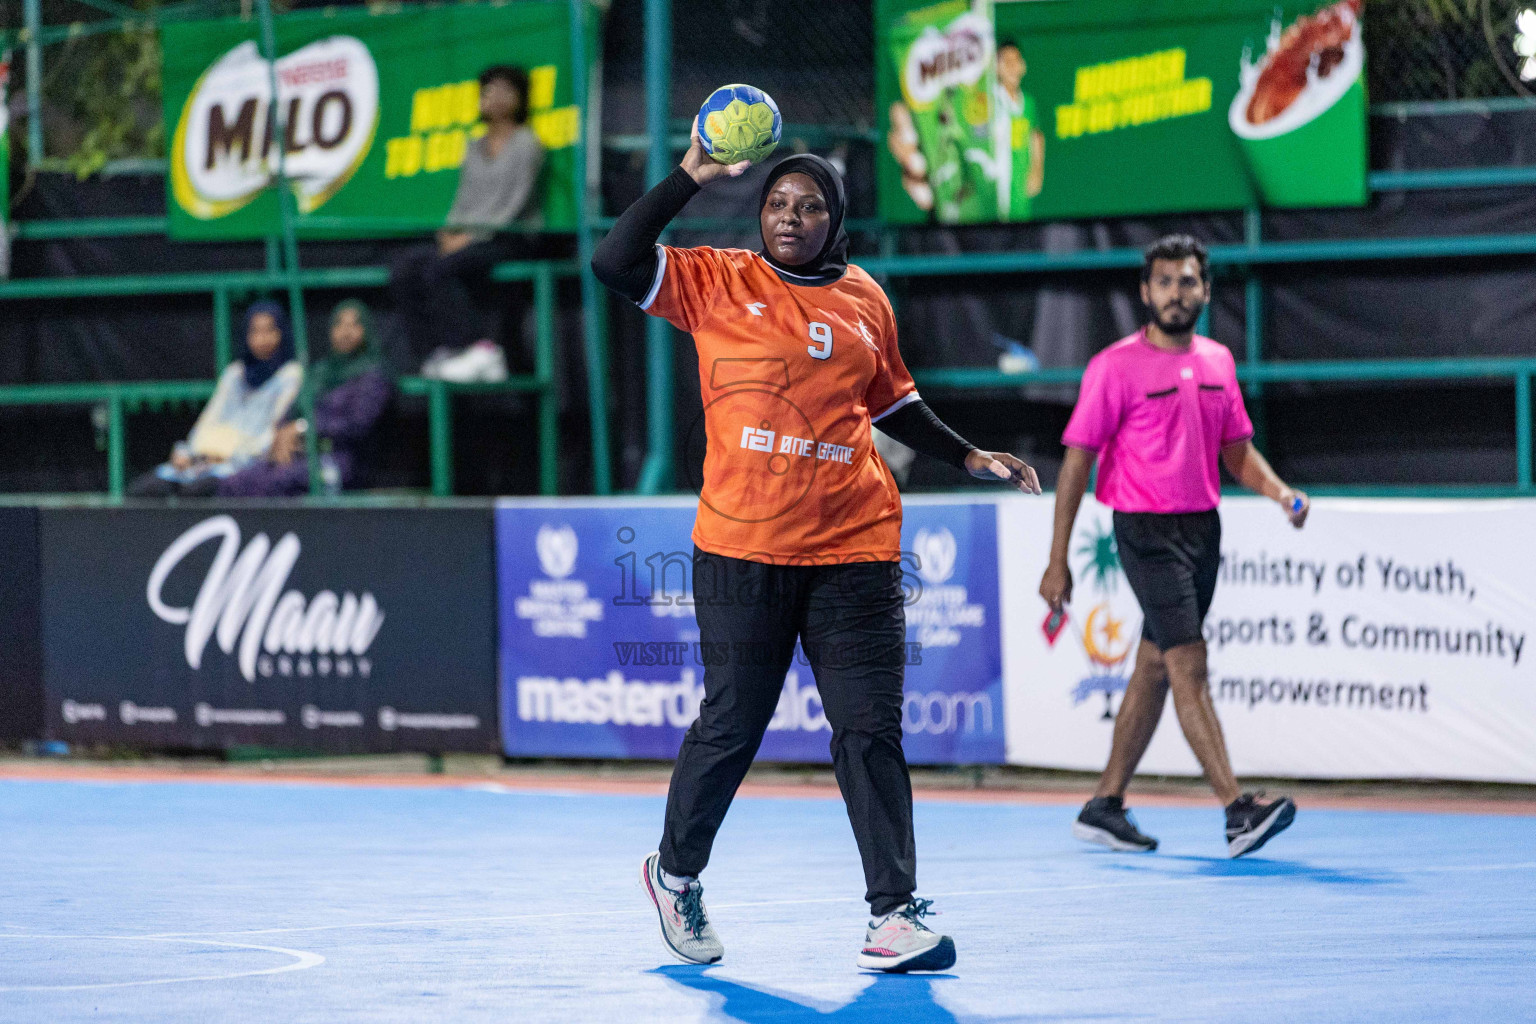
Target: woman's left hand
<point>1004,466</point>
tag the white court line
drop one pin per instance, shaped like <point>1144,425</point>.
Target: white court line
<point>302,961</point>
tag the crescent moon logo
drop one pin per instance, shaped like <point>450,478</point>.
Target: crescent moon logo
<point>1110,632</point>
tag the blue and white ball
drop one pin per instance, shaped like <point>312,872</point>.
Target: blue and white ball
<point>739,122</point>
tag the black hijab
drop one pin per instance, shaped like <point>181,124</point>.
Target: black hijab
<point>259,371</point>
<point>831,263</point>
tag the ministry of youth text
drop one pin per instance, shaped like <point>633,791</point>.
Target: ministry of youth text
<point>1261,570</point>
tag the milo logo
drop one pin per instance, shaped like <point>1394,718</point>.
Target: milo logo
<point>224,151</point>
<point>938,60</point>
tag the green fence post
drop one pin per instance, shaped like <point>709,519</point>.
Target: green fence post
<point>290,270</point>
<point>1253,324</point>
<point>591,294</point>
<point>658,474</point>
<point>887,235</point>
<point>440,437</point>
<point>222,347</point>
<point>117,446</point>
<point>32,14</point>
<point>544,370</point>
<point>1523,430</point>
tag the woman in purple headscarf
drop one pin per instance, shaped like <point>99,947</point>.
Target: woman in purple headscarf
<point>352,389</point>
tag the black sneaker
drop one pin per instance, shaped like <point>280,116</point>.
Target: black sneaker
<point>1104,820</point>
<point>1251,824</point>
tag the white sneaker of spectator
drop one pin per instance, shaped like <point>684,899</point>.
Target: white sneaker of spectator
<point>484,361</point>
<point>433,361</point>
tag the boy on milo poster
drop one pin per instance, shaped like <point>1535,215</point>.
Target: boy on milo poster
<point>942,129</point>
<point>1018,144</point>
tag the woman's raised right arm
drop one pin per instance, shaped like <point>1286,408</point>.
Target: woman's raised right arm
<point>625,260</point>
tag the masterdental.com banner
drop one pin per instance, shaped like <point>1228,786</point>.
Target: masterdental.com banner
<point>1388,639</point>
<point>601,654</point>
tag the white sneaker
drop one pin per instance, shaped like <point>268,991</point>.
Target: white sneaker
<point>899,942</point>
<point>433,361</point>
<point>484,361</point>
<point>685,925</point>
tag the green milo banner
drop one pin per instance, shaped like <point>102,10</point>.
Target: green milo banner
<point>378,109</point>
<point>1017,110</point>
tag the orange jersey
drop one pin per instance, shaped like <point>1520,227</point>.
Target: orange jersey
<point>791,377</point>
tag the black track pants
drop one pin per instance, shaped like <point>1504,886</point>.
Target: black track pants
<point>851,622</point>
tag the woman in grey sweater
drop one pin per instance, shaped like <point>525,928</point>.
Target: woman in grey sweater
<point>497,184</point>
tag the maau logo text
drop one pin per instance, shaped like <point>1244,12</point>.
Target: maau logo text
<point>242,601</point>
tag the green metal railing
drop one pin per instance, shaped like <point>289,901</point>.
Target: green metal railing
<point>663,139</point>
<point>122,397</point>
<point>1518,370</point>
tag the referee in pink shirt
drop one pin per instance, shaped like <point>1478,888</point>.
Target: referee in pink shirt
<point>1157,409</point>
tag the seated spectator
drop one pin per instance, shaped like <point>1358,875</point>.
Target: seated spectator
<point>496,187</point>
<point>351,390</point>
<point>237,426</point>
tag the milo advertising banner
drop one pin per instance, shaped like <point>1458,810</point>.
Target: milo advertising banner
<point>1017,110</point>
<point>377,110</point>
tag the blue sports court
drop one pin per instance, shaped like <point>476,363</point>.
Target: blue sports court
<point>290,901</point>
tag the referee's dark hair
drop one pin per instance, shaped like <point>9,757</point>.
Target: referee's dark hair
<point>517,78</point>
<point>1176,247</point>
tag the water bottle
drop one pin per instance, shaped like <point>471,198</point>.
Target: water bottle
<point>330,474</point>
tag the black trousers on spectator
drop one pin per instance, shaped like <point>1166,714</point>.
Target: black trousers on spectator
<point>851,622</point>
<point>432,292</point>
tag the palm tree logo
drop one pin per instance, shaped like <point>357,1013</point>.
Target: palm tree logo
<point>1105,639</point>
<point>1098,544</point>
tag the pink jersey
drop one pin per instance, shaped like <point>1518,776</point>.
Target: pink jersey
<point>1158,421</point>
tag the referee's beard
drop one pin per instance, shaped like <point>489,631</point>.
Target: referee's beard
<point>1174,318</point>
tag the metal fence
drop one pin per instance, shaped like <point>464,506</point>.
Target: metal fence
<point>101,102</point>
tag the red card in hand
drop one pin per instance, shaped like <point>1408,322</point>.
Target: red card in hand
<point>1054,623</point>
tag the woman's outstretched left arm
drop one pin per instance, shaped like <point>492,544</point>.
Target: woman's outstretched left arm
<point>919,428</point>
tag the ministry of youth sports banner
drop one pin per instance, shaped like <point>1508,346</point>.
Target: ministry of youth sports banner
<point>1387,639</point>
<point>379,107</point>
<point>601,655</point>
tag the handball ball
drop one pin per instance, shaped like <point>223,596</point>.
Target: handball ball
<point>739,122</point>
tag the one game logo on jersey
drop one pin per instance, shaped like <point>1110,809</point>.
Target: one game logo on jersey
<point>755,439</point>
<point>242,601</point>
<point>224,154</point>
<point>942,609</point>
<point>557,606</point>
<point>761,439</point>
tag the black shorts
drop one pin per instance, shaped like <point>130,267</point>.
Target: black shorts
<point>1171,562</point>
